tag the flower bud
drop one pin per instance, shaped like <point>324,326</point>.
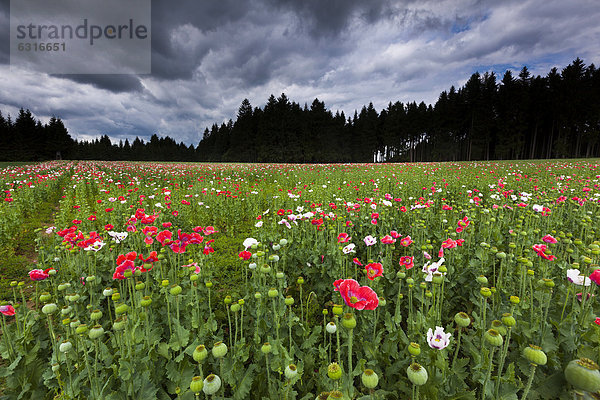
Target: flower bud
<point>370,379</point>
<point>235,307</point>
<point>200,353</point>
<point>334,372</point>
<point>212,384</point>
<point>241,302</point>
<point>219,350</point>
<point>417,374</point>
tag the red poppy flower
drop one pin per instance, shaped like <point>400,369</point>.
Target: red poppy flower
<point>108,227</point>
<point>343,238</point>
<point>356,261</point>
<point>407,241</point>
<point>407,262</point>
<point>166,224</point>
<point>38,275</point>
<point>540,249</point>
<point>388,239</point>
<point>595,277</point>
<point>245,255</point>
<point>92,218</point>
<point>356,296</point>
<point>374,270</point>
<point>7,310</point>
<point>209,230</point>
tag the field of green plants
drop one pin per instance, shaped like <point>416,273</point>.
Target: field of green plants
<point>276,281</point>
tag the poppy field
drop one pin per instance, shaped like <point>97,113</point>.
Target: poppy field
<point>276,281</point>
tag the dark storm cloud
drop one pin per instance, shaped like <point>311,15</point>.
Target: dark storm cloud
<point>4,31</point>
<point>207,56</point>
<point>116,83</point>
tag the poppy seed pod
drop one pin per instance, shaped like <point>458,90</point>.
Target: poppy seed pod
<point>289,301</point>
<point>583,375</point>
<point>331,327</point>
<point>349,322</point>
<point>175,290</point>
<point>370,379</point>
<point>272,293</point>
<point>65,347</point>
<point>535,355</point>
<point>197,384</point>
<point>96,332</point>
<point>200,353</point>
<point>508,320</point>
<point>493,337</point>
<point>45,297</point>
<point>414,349</point>
<point>334,372</point>
<point>291,371</point>
<point>49,308</point>
<point>146,301</point>
<point>266,348</point>
<point>212,384</point>
<point>95,315</point>
<point>462,319</point>
<point>219,350</point>
<point>337,309</point>
<point>417,374</point>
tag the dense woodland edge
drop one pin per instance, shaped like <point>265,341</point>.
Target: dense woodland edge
<point>522,117</point>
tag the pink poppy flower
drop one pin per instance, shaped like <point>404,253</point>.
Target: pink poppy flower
<point>407,241</point>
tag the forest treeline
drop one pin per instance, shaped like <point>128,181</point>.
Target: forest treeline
<point>517,117</point>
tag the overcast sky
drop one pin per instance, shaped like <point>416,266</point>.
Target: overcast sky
<point>207,56</point>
